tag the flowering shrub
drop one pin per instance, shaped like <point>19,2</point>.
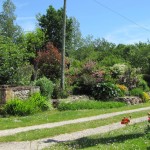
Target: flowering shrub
<point>123,88</point>
<point>145,97</point>
<point>118,69</point>
<point>105,91</point>
<point>98,75</point>
<point>89,67</point>
<point>87,78</point>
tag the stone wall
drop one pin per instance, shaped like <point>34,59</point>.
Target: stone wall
<point>22,92</point>
<point>131,100</point>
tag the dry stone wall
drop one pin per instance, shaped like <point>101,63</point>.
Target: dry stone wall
<point>131,100</point>
<point>22,92</point>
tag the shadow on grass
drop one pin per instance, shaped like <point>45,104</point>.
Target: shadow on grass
<point>87,142</point>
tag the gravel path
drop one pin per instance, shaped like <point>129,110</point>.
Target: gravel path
<point>56,124</point>
<point>42,143</point>
<point>46,142</point>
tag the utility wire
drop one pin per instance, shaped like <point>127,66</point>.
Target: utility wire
<point>119,14</point>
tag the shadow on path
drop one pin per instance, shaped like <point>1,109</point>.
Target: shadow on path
<point>89,142</point>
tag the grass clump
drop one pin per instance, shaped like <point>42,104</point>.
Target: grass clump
<point>79,105</point>
<point>19,107</point>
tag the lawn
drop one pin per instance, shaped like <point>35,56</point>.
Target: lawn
<point>43,133</point>
<point>56,116</point>
<point>131,137</point>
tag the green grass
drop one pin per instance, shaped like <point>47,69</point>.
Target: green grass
<point>131,137</point>
<point>56,116</point>
<point>79,105</point>
<point>38,134</point>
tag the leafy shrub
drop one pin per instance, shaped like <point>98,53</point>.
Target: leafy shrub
<point>48,61</point>
<point>46,86</point>
<point>104,91</point>
<point>21,108</point>
<point>136,92</point>
<point>17,107</point>
<point>123,89</point>
<point>58,93</point>
<point>79,105</point>
<point>23,75</point>
<point>84,84</point>
<point>145,97</point>
<point>87,78</point>
<point>143,85</point>
<point>38,102</point>
<point>129,78</point>
<point>111,60</point>
<point>146,77</point>
<point>118,69</point>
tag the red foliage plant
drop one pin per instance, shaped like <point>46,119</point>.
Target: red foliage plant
<point>49,61</point>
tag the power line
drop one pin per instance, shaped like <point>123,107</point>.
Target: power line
<point>119,14</point>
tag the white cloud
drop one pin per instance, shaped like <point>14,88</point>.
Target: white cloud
<point>129,35</point>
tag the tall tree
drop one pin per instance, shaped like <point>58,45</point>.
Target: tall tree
<point>8,28</point>
<point>13,62</point>
<point>77,40</point>
<point>51,23</point>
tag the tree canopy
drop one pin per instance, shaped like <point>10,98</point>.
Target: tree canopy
<point>8,28</point>
<point>51,23</point>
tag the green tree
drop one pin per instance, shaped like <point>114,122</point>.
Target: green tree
<point>77,40</point>
<point>51,23</point>
<point>103,45</point>
<point>13,59</point>
<point>8,28</point>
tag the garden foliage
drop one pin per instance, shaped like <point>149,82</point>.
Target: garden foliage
<point>35,103</point>
<point>48,61</point>
<point>105,91</point>
<point>79,105</point>
<point>46,86</point>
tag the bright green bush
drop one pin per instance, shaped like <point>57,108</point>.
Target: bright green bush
<point>104,91</point>
<point>79,105</point>
<point>46,86</point>
<point>145,97</point>
<point>136,92</point>
<point>17,107</point>
<point>38,102</point>
<point>34,104</point>
<point>143,85</point>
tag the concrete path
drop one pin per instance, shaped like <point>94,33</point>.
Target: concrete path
<point>56,124</point>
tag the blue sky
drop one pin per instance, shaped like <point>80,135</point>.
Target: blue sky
<point>118,21</point>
